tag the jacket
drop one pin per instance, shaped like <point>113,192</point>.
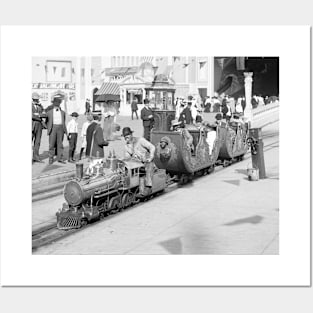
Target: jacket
<point>50,121</point>
<point>144,114</point>
<point>37,115</point>
<point>95,141</point>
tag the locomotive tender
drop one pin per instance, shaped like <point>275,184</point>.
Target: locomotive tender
<point>113,185</point>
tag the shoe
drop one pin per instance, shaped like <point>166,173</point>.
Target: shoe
<point>71,161</point>
<point>37,160</point>
<point>62,161</point>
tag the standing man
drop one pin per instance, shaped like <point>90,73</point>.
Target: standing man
<point>134,108</point>
<point>94,136</point>
<point>141,150</point>
<point>147,117</point>
<point>186,116</point>
<point>37,126</point>
<point>56,129</point>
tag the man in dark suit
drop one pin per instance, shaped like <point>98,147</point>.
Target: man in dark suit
<point>37,125</point>
<point>94,137</point>
<point>56,129</point>
<point>147,118</point>
<point>185,116</point>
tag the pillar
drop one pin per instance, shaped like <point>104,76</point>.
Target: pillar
<point>88,91</point>
<point>210,89</point>
<point>248,95</point>
<point>79,104</point>
<point>143,94</point>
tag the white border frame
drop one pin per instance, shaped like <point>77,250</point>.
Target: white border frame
<point>20,267</point>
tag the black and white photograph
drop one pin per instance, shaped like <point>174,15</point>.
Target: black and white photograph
<point>155,155</point>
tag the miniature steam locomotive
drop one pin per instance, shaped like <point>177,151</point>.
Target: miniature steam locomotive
<point>109,187</point>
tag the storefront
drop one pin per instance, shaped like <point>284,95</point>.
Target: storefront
<point>48,90</point>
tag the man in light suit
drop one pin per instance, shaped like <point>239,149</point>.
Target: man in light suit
<point>56,129</point>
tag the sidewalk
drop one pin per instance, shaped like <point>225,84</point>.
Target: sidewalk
<point>222,213</point>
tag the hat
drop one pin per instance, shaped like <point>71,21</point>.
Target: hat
<point>209,125</point>
<point>35,96</point>
<point>74,114</point>
<point>189,103</point>
<point>97,112</point>
<point>218,116</point>
<point>165,139</point>
<point>236,115</point>
<point>145,101</point>
<point>57,99</point>
<point>175,123</point>
<point>126,131</point>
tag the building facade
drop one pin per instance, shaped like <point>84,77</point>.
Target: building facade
<point>72,77</point>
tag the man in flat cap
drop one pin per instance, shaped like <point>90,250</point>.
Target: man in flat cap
<point>37,125</point>
<point>56,129</point>
<point>94,137</point>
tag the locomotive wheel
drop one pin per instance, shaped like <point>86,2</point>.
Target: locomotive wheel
<point>211,169</point>
<point>83,222</point>
<point>125,201</point>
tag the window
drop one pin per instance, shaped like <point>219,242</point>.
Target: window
<point>202,70</point>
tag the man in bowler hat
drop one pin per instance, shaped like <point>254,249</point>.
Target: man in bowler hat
<point>142,150</point>
<point>37,125</point>
<point>56,129</point>
<point>147,118</point>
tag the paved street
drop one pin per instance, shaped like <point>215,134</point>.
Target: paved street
<point>222,213</point>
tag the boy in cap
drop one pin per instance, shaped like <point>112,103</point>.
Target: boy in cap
<point>72,131</point>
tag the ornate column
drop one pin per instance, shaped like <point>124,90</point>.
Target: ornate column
<point>248,95</point>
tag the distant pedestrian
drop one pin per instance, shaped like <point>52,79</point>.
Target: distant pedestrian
<point>84,134</point>
<point>37,125</point>
<point>56,129</point>
<point>134,108</point>
<point>186,116</point>
<point>148,120</point>
<point>87,107</point>
<point>72,131</point>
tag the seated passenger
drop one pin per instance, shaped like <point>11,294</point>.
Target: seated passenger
<point>199,121</point>
<point>218,118</point>
<point>211,136</point>
<point>178,126</point>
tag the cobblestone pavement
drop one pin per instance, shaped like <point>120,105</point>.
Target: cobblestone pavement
<point>222,213</point>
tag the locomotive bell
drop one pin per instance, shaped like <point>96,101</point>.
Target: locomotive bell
<point>73,193</point>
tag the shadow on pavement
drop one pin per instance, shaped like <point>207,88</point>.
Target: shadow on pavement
<point>256,219</point>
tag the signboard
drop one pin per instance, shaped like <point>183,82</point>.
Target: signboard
<point>53,86</point>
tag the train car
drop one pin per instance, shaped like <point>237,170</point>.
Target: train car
<point>233,136</point>
<point>106,188</point>
<point>173,153</point>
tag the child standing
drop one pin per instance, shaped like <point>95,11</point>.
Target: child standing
<point>83,134</point>
<point>72,131</point>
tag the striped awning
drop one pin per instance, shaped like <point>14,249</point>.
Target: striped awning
<point>109,89</point>
<point>108,92</point>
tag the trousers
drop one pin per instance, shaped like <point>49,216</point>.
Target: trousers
<point>36,139</point>
<point>56,139</point>
<point>72,145</point>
